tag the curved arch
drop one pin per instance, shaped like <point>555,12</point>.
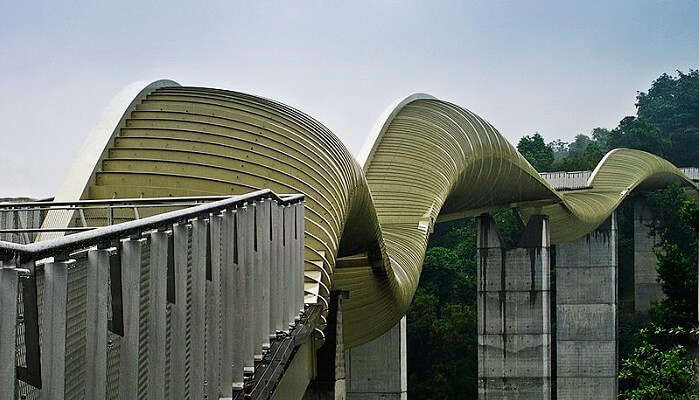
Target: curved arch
<point>425,157</point>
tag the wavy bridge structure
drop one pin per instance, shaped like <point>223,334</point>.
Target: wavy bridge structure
<point>367,219</point>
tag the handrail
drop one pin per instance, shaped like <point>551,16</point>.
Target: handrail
<point>137,200</point>
<point>19,253</point>
<point>26,260</point>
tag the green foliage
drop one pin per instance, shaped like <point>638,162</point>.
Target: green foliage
<point>678,279</point>
<point>636,133</point>
<point>601,136</point>
<point>539,155</point>
<point>451,278</point>
<point>583,155</point>
<point>510,227</point>
<point>689,213</point>
<point>665,205</point>
<point>667,124</point>
<point>672,105</point>
<point>560,149</point>
<point>658,369</point>
<point>442,361</point>
<point>674,221</point>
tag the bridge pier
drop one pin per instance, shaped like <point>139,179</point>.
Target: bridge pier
<point>586,319</point>
<point>646,286</point>
<point>378,370</point>
<point>514,321</point>
<point>329,383</point>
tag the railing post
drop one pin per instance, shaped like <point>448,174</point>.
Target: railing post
<point>237,299</point>
<point>11,224</point>
<point>284,270</point>
<point>178,313</point>
<point>22,221</point>
<point>263,267</point>
<point>246,255</point>
<point>9,285</point>
<point>199,243</point>
<point>128,353</point>
<point>275,277</point>
<point>227,299</point>
<point>214,325</point>
<point>157,321</point>
<point>290,302</point>
<point>300,232</point>
<point>53,356</point>
<point>256,282</point>
<point>3,218</point>
<point>96,324</point>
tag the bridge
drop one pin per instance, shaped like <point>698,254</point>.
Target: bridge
<point>214,244</point>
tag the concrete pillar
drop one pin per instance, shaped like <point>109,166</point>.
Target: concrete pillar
<point>378,370</point>
<point>514,319</point>
<point>330,383</point>
<point>646,286</point>
<point>586,319</point>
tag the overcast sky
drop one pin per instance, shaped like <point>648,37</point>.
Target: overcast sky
<point>524,66</point>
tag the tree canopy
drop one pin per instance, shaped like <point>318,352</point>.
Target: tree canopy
<point>666,124</point>
<point>533,148</point>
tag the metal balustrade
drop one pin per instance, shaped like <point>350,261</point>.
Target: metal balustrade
<point>27,221</point>
<point>184,304</point>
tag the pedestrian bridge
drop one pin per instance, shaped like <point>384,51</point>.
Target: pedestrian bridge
<point>214,244</point>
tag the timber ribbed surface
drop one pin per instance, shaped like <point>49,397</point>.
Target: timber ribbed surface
<point>431,158</point>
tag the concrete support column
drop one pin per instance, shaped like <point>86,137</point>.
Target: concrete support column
<point>586,319</point>
<point>514,319</point>
<point>330,383</point>
<point>646,286</point>
<point>378,370</point>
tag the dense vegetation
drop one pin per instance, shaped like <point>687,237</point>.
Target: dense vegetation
<point>655,347</point>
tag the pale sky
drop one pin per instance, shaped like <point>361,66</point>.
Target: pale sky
<point>559,69</point>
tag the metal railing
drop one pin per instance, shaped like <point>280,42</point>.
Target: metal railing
<point>562,180</point>
<point>184,302</point>
<point>23,222</point>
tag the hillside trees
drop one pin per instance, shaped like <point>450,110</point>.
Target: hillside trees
<point>539,155</point>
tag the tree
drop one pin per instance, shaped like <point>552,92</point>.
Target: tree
<point>658,371</point>
<point>583,155</point>
<point>601,136</point>
<point>539,155</point>
<point>660,367</point>
<point>579,145</point>
<point>442,364</point>
<point>674,221</point>
<point>672,105</point>
<point>636,133</point>
<point>560,149</point>
<point>678,279</point>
